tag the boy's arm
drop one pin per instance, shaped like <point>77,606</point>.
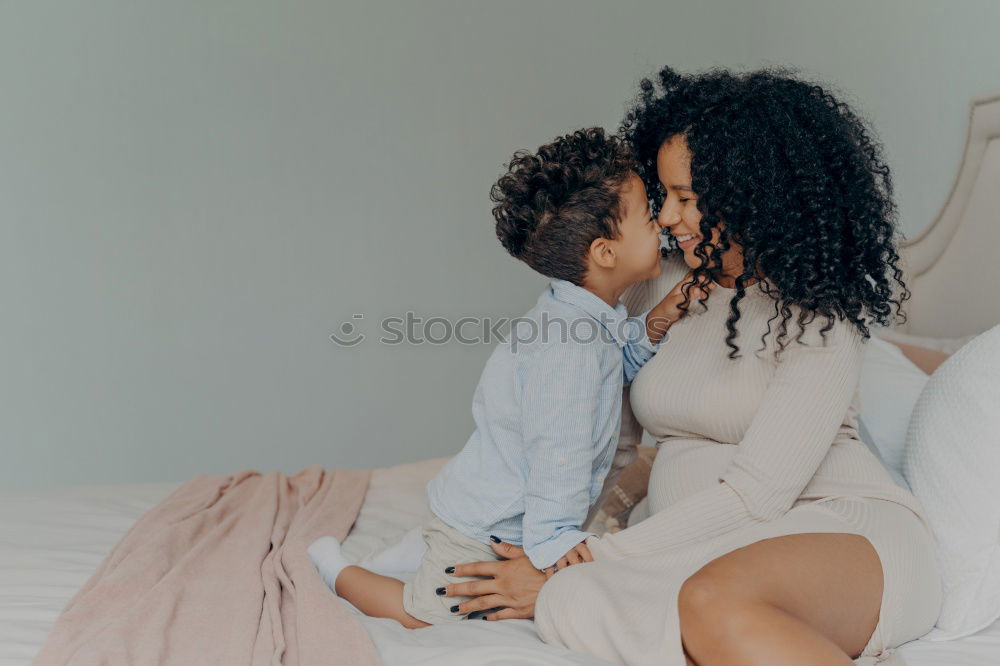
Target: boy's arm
<point>648,330</point>
<point>560,397</point>
<point>645,334</point>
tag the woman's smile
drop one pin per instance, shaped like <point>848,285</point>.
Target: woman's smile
<point>687,241</point>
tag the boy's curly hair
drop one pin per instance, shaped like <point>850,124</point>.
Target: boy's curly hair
<point>799,180</point>
<point>551,205</point>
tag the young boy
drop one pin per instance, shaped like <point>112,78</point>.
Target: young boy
<point>548,404</point>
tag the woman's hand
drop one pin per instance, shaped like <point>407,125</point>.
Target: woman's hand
<point>513,586</point>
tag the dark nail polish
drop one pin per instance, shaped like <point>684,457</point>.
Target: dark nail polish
<point>454,609</point>
<point>483,617</point>
<point>450,570</point>
<point>439,591</point>
<point>494,539</point>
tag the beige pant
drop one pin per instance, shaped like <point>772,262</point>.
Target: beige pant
<point>446,547</point>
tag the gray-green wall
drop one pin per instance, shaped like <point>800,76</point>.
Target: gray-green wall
<point>195,195</point>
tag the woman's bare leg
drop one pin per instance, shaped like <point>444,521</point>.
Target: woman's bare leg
<point>375,595</point>
<point>785,601</point>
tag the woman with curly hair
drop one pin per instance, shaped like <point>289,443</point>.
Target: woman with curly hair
<point>774,536</point>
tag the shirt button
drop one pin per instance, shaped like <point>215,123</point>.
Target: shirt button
<point>560,460</point>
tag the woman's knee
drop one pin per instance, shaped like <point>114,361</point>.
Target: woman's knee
<point>712,608</point>
<point>701,598</point>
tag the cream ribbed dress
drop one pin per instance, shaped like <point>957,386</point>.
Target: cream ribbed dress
<point>749,449</point>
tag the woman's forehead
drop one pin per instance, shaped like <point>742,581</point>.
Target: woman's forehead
<point>673,163</point>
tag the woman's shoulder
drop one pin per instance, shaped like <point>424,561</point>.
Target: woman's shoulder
<point>782,325</point>
<point>821,331</point>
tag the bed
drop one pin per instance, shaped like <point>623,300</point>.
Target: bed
<point>54,539</point>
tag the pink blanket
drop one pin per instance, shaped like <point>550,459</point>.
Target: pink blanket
<point>218,574</point>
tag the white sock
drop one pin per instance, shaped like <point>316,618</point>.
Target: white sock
<point>325,554</point>
<point>403,556</point>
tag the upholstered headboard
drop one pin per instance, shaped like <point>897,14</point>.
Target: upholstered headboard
<point>953,266</point>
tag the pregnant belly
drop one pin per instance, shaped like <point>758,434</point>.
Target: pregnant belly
<point>683,467</point>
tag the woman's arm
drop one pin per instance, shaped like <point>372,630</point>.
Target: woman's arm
<point>799,416</point>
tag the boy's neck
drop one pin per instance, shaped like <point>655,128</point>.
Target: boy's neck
<point>609,293</point>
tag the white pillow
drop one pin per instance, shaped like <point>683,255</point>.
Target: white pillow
<point>869,441</point>
<point>890,385</point>
<point>952,463</point>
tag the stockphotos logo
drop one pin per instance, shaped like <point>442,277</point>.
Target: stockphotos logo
<point>412,329</point>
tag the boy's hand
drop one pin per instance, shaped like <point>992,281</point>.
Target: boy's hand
<point>667,311</point>
<point>577,554</point>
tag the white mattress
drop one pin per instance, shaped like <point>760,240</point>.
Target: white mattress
<point>51,541</point>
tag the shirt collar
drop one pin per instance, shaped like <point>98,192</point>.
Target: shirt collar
<point>611,318</point>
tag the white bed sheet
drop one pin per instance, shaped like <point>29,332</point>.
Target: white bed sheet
<point>51,541</point>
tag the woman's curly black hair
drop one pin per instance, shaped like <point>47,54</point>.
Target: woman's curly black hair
<point>800,183</point>
<point>552,204</point>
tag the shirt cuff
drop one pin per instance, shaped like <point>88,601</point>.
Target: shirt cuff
<point>598,549</point>
<point>548,552</point>
<point>639,336</point>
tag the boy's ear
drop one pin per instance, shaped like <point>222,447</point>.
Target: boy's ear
<point>602,253</point>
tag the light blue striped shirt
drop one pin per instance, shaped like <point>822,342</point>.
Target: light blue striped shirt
<point>548,414</point>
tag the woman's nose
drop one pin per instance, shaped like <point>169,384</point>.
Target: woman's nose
<point>668,217</point>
